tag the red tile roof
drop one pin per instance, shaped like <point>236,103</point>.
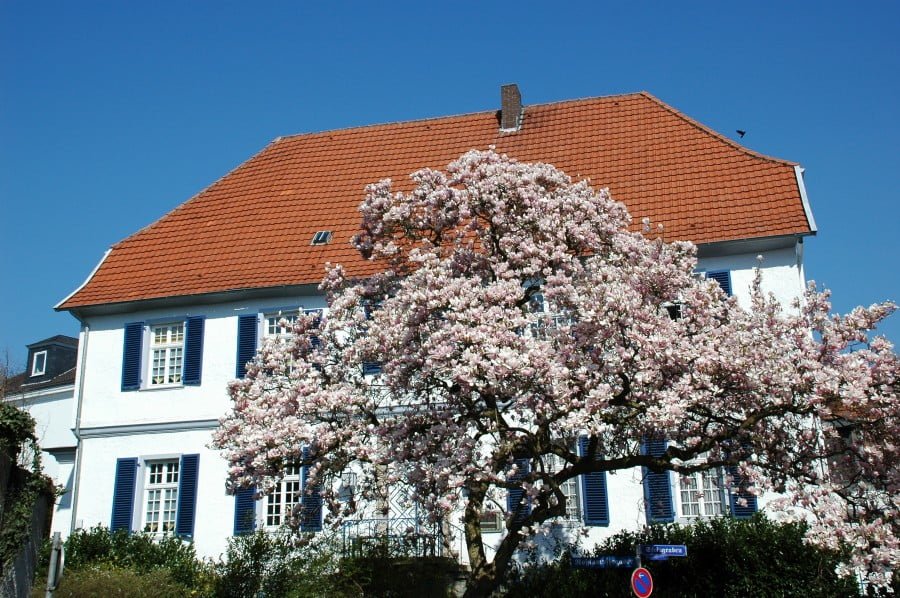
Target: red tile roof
<point>253,228</point>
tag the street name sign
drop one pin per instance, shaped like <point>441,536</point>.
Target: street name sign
<point>661,552</point>
<point>603,562</point>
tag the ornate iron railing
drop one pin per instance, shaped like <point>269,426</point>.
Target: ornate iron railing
<point>392,538</point>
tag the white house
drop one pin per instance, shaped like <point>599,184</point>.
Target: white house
<point>173,312</point>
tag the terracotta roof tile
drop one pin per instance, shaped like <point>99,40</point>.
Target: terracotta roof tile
<point>253,227</point>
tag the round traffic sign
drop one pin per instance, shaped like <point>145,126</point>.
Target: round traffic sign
<point>641,583</point>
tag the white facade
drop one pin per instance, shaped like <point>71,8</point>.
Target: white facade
<point>162,423</point>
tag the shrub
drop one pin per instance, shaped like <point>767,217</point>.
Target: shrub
<point>725,558</point>
<point>110,581</point>
<point>276,565</point>
<point>140,553</point>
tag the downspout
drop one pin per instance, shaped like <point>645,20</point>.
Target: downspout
<point>76,483</point>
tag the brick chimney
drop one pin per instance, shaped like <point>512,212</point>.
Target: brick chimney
<point>510,107</point>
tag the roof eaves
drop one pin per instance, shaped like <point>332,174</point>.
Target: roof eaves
<point>801,185</point>
<point>61,305</point>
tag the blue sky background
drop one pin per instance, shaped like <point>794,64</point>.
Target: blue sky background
<point>111,114</point>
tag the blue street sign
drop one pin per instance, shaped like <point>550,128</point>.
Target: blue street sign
<point>603,562</point>
<point>661,552</point>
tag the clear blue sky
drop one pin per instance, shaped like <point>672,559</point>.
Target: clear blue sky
<point>111,114</point>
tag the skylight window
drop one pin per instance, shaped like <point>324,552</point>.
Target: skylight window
<point>321,237</point>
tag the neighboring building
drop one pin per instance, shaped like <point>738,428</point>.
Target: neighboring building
<point>173,312</point>
<point>46,389</point>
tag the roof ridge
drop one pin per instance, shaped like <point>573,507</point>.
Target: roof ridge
<point>714,133</point>
<point>451,116</point>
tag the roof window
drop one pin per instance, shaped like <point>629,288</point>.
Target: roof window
<point>321,237</point>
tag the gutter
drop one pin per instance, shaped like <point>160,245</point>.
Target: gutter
<point>798,171</point>
<point>82,357</point>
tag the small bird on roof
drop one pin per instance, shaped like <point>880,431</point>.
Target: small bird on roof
<point>741,133</point>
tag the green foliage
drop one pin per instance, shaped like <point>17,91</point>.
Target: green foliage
<point>25,487</point>
<point>111,581</point>
<point>140,553</point>
<point>258,564</point>
<point>726,558</point>
<point>16,428</point>
<point>17,513</point>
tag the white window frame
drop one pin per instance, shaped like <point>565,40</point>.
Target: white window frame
<point>34,363</point>
<point>571,488</point>
<point>707,488</point>
<point>277,507</point>
<point>163,491</point>
<point>288,313</point>
<point>167,347</point>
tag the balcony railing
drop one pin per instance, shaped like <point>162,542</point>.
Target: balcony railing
<point>392,538</point>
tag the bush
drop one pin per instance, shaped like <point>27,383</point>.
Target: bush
<point>16,428</point>
<point>725,558</point>
<point>110,581</point>
<point>140,553</point>
<point>274,564</point>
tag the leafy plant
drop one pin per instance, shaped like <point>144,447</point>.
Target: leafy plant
<point>140,553</point>
<point>726,557</point>
<point>111,581</point>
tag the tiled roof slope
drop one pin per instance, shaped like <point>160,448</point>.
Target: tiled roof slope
<point>253,228</point>
<point>19,383</point>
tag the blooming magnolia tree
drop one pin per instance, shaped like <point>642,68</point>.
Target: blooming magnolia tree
<point>515,313</point>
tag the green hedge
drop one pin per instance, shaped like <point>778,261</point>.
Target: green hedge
<point>726,558</point>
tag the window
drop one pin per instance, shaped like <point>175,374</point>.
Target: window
<point>39,364</point>
<point>156,495</point>
<point>160,354</point>
<point>280,325</point>
<point>701,493</point>
<point>555,463</point>
<point>161,497</point>
<point>281,504</point>
<point>166,353</point>
<point>321,237</point>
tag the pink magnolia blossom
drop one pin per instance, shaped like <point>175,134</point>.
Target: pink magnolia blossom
<point>515,312</point>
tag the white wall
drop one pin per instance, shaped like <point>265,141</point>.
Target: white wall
<point>106,404</point>
<point>215,510</point>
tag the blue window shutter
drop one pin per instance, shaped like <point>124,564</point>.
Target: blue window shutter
<point>187,495</point>
<point>515,496</point>
<point>371,367</point>
<point>739,511</point>
<point>311,501</point>
<point>131,356</point>
<point>723,277</point>
<point>193,350</point>
<point>123,494</point>
<point>248,329</point>
<point>594,497</point>
<point>244,511</point>
<point>657,486</point>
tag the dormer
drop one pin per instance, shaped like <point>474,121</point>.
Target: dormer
<point>49,358</point>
